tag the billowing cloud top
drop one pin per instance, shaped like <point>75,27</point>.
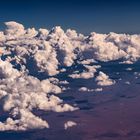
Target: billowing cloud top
<point>31,60</point>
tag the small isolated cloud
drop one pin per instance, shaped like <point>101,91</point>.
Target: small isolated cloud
<point>127,83</point>
<point>85,89</point>
<point>69,124</point>
<point>103,80</point>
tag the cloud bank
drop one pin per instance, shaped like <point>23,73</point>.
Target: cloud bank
<point>32,59</point>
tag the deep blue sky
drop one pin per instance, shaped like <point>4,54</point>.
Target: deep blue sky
<point>82,15</point>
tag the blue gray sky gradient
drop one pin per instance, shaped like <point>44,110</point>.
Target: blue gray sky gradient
<point>121,16</point>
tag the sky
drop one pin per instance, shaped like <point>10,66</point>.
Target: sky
<point>85,16</point>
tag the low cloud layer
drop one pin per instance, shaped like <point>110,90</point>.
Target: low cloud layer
<point>32,60</point>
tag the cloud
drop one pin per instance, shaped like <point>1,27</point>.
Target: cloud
<point>14,30</point>
<point>88,73</point>
<point>85,89</point>
<point>84,75</point>
<point>103,80</point>
<point>32,59</point>
<point>69,124</point>
<point>22,93</point>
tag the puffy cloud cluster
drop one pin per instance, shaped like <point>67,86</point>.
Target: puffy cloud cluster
<point>103,80</point>
<point>31,60</point>
<point>22,93</point>
<point>84,75</point>
<point>88,73</point>
<point>50,50</point>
